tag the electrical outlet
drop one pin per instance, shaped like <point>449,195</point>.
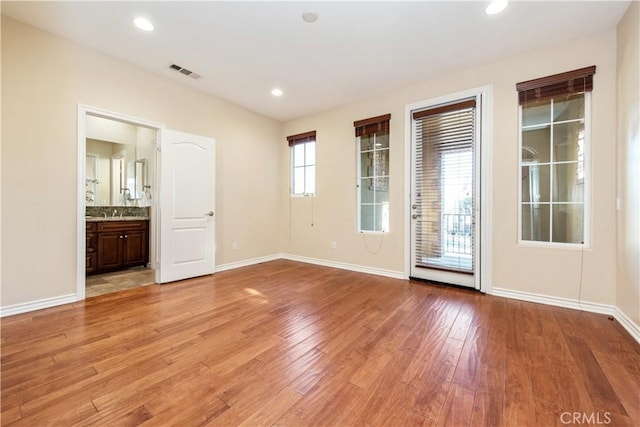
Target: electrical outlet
<point>333,245</point>
<point>234,246</point>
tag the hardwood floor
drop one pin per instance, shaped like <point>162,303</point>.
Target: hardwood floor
<point>285,343</point>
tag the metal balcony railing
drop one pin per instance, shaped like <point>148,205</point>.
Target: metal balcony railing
<point>458,233</point>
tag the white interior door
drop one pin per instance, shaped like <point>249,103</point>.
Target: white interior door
<point>445,193</point>
<point>187,206</point>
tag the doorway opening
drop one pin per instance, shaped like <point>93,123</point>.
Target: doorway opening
<point>117,208</point>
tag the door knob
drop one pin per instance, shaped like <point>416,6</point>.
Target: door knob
<point>210,213</point>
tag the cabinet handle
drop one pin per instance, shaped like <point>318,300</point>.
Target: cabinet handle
<point>125,236</point>
<point>121,236</point>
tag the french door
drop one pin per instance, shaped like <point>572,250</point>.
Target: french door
<point>445,191</point>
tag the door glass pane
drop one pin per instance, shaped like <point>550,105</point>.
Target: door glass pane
<point>536,113</point>
<point>535,222</point>
<point>536,144</point>
<point>535,183</point>
<point>565,141</point>
<point>443,225</point>
<point>568,223</point>
<point>567,187</point>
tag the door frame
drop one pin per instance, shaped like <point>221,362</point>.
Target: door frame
<point>484,207</point>
<point>82,112</point>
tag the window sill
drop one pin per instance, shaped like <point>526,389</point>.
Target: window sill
<point>554,245</point>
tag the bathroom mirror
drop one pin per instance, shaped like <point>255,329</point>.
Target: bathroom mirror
<point>140,175</point>
<point>116,168</point>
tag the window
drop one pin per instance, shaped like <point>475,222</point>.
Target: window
<point>554,125</point>
<point>372,137</point>
<point>303,163</point>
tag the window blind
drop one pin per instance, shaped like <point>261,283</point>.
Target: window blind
<point>372,125</point>
<point>570,82</point>
<point>444,174</point>
<point>301,138</point>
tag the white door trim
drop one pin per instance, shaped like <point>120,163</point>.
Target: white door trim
<point>486,198</point>
<point>83,111</point>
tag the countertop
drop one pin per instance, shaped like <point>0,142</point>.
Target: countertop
<point>115,218</point>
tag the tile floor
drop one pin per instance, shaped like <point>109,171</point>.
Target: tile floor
<point>100,284</point>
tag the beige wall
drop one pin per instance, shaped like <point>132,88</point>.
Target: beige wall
<point>43,80</point>
<point>548,271</point>
<point>628,272</point>
<point>111,130</point>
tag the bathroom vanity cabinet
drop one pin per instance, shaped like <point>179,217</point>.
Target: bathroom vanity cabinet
<point>91,258</point>
<point>116,245</point>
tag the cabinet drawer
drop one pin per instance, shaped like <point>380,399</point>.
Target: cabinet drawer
<point>122,225</point>
<point>91,227</point>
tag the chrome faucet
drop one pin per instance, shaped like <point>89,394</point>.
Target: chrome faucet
<point>113,215</point>
<point>104,214</point>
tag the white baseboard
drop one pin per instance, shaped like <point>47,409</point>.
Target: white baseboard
<point>610,310</point>
<point>10,310</point>
<point>627,323</point>
<point>247,262</point>
<point>344,266</point>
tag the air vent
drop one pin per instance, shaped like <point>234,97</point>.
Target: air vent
<point>185,71</point>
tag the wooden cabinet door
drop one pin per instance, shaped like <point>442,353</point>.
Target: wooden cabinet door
<point>110,250</point>
<point>120,244</point>
<point>135,248</point>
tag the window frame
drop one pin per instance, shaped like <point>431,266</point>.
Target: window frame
<point>586,215</point>
<point>304,138</point>
<point>374,176</point>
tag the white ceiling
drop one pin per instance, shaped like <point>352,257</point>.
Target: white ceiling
<point>355,49</point>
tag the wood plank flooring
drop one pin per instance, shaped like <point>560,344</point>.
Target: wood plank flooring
<point>290,344</point>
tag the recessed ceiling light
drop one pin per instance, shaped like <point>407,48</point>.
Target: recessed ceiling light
<point>310,16</point>
<point>496,6</point>
<point>276,92</point>
<point>143,23</point>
